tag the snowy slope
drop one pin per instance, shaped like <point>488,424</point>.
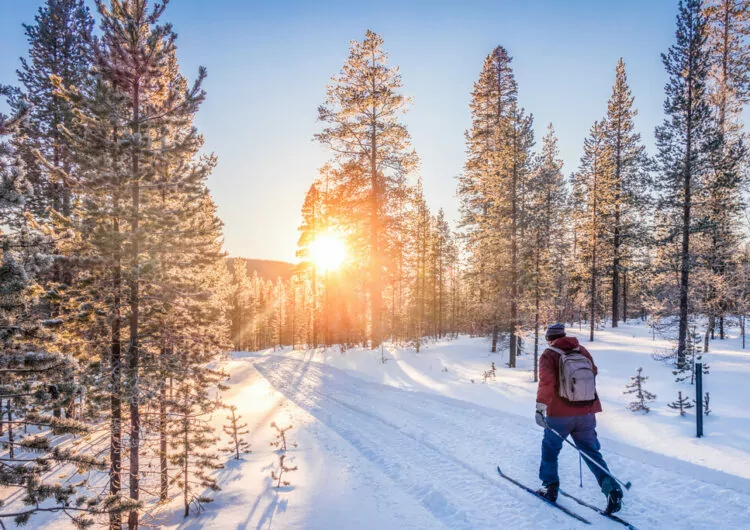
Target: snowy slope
<point>413,443</point>
<point>407,445</point>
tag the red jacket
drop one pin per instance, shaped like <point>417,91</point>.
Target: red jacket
<point>548,372</point>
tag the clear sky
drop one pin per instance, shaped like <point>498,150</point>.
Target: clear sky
<point>269,62</point>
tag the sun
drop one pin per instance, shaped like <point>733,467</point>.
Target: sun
<point>328,251</point>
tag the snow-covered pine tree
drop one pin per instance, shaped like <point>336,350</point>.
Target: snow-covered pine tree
<point>444,254</point>
<point>419,248</point>
<point>686,141</point>
<point>546,237</point>
<point>60,43</point>
<point>313,221</point>
<point>642,396</point>
<point>372,146</point>
<point>681,404</point>
<point>490,188</point>
<point>192,438</point>
<point>35,375</point>
<point>591,202</point>
<point>238,303</point>
<point>626,214</point>
<point>728,27</point>
<point>137,59</point>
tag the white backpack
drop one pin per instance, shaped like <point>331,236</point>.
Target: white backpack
<point>576,378</point>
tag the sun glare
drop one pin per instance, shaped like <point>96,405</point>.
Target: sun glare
<point>328,251</point>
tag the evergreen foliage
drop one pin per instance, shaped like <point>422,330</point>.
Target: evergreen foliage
<point>681,404</point>
<point>642,396</point>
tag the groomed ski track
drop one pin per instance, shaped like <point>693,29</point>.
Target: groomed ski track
<point>442,453</point>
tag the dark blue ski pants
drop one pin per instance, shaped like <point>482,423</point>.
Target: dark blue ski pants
<point>583,431</point>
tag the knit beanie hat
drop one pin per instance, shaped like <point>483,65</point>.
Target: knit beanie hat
<point>555,330</point>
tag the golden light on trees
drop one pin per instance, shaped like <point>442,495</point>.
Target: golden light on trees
<point>328,251</point>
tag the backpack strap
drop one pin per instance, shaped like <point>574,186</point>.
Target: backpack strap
<point>561,351</point>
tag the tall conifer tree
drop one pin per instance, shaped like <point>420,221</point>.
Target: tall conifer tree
<point>685,141</point>
<point>363,129</point>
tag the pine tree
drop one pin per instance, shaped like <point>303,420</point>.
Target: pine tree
<point>372,146</point>
<point>35,376</point>
<point>193,439</point>
<point>685,141</point>
<point>547,206</point>
<point>236,432</point>
<point>642,396</point>
<point>728,26</point>
<point>60,46</point>
<point>628,198</point>
<point>681,404</point>
<point>491,190</point>
<point>313,223</point>
<point>592,195</point>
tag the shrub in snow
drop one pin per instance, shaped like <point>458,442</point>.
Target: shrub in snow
<point>489,374</point>
<point>681,404</point>
<point>280,442</point>
<point>706,401</point>
<point>236,432</point>
<point>693,354</point>
<point>642,396</point>
<point>282,469</point>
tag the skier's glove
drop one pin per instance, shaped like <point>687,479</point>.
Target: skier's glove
<point>541,411</point>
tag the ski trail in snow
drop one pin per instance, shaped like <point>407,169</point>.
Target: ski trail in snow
<point>435,449</point>
<point>455,493</point>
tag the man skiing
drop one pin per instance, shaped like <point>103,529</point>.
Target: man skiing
<point>567,403</point>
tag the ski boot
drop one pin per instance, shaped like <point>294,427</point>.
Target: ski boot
<point>549,491</point>
<point>614,502</point>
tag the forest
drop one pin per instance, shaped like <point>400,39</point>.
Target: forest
<point>118,300</point>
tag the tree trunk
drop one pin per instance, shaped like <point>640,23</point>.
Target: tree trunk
<point>592,307</point>
<point>11,439</point>
<point>514,341</point>
<point>115,367</point>
<point>133,350</point>
<point>685,252</point>
<point>375,264</point>
<point>163,461</point>
<point>625,296</point>
<point>537,296</point>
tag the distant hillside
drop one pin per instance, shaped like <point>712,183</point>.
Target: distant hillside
<point>268,269</point>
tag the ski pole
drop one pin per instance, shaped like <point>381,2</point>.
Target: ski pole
<point>580,471</point>
<point>587,457</point>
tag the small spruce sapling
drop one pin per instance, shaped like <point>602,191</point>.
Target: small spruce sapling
<point>681,404</point>
<point>280,442</point>
<point>490,374</point>
<point>282,469</point>
<point>236,431</point>
<point>642,395</point>
<point>281,445</point>
<point>706,401</point>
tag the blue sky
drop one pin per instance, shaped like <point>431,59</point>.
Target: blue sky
<point>269,62</point>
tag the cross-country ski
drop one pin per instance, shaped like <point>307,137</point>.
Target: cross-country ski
<point>543,498</point>
<point>598,510</point>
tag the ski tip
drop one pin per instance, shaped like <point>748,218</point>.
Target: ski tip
<point>499,470</point>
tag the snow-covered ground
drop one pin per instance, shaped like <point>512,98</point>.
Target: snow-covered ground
<point>409,444</point>
<point>414,443</point>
